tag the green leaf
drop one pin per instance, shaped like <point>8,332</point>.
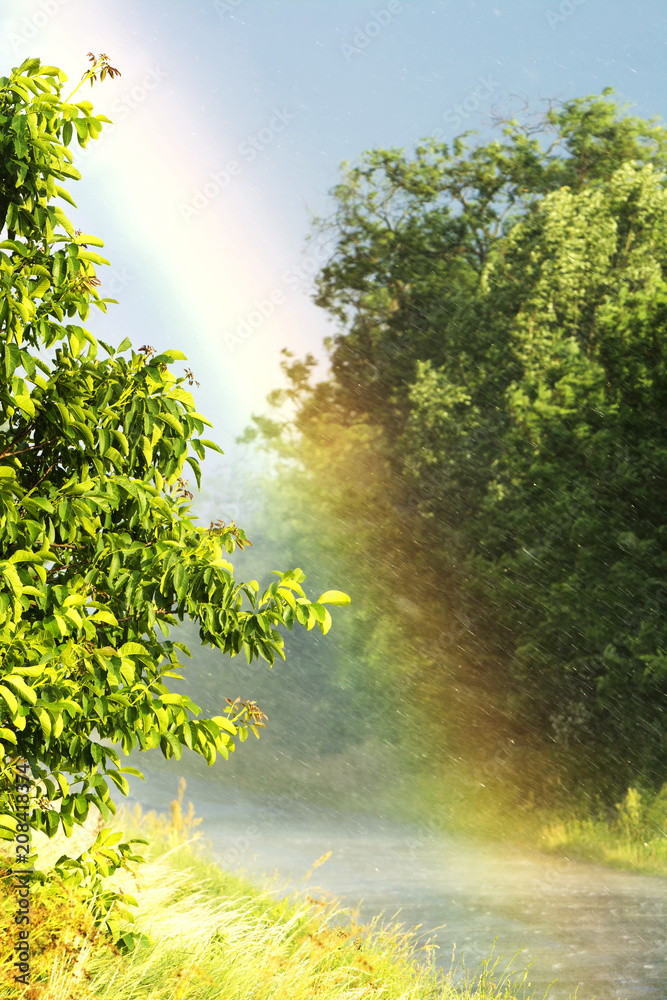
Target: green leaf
<point>325,625</point>
<point>8,822</point>
<point>34,504</point>
<point>17,247</point>
<point>167,357</point>
<point>62,783</point>
<point>302,615</point>
<point>103,616</point>
<point>292,585</point>
<point>181,582</point>
<point>16,682</point>
<point>196,468</point>
<point>45,722</point>
<point>172,699</point>
<point>87,239</point>
<point>135,772</point>
<point>63,193</point>
<point>133,648</point>
<point>212,445</point>
<point>81,127</point>
<point>171,746</point>
<point>121,783</point>
<point>9,698</point>
<point>93,257</point>
<point>336,597</point>
<point>12,359</point>
<point>225,724</point>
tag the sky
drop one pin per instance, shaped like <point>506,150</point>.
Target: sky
<point>230,121</point>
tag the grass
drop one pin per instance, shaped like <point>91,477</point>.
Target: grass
<point>634,838</point>
<point>595,840</point>
<point>631,836</point>
<point>211,935</point>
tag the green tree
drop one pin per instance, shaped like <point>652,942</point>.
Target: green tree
<point>100,554</point>
<point>503,319</point>
<point>413,237</point>
<point>563,522</point>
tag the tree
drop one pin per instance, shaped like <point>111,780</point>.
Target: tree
<point>502,313</point>
<point>413,237</point>
<point>101,556</point>
<point>555,481</point>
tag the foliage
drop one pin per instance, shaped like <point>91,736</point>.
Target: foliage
<point>236,938</point>
<point>344,480</point>
<point>424,727</point>
<point>413,237</point>
<point>632,836</point>
<point>61,923</point>
<point>101,556</point>
<point>503,321</point>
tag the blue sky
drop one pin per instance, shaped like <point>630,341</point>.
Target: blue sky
<point>231,117</point>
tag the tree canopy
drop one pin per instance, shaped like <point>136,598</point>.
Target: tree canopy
<point>502,328</point>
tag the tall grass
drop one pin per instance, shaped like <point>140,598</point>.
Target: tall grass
<point>634,837</point>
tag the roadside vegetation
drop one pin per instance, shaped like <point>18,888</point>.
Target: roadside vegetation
<point>635,838</point>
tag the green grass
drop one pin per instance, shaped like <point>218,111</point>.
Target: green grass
<point>212,935</point>
<point>634,838</point>
<point>630,836</point>
<point>594,840</point>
